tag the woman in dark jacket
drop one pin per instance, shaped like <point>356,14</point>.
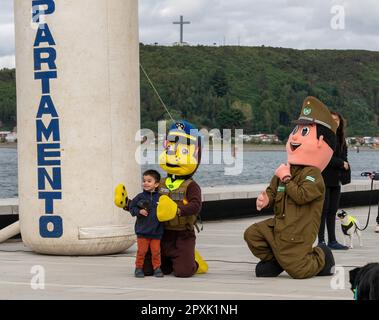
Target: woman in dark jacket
<point>375,176</point>
<point>332,178</point>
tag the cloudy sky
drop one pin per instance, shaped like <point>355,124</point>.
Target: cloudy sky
<point>300,24</point>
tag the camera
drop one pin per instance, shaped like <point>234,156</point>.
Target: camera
<point>144,204</point>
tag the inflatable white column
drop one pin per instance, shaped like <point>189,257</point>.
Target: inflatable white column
<point>77,64</point>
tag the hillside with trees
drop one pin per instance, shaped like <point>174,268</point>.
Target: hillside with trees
<point>7,99</point>
<point>259,89</point>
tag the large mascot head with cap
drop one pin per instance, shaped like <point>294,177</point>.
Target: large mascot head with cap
<point>312,141</point>
<point>182,153</point>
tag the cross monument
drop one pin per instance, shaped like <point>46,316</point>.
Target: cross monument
<point>181,22</point>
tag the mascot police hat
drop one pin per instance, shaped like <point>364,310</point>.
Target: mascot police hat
<point>314,111</point>
<point>184,132</point>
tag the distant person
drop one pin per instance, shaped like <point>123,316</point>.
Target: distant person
<point>375,176</point>
<point>335,174</point>
<point>234,151</point>
<point>148,229</point>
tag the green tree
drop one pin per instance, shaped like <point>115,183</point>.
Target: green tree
<point>230,119</point>
<point>219,83</point>
<point>283,133</point>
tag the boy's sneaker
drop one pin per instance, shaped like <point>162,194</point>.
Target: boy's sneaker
<point>138,273</point>
<point>158,273</point>
<point>377,228</point>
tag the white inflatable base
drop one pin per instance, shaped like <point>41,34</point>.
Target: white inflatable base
<point>104,232</point>
<point>92,241</point>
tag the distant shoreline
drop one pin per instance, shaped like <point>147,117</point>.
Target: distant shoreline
<point>263,147</point>
<point>8,145</point>
<point>282,147</point>
<point>246,147</point>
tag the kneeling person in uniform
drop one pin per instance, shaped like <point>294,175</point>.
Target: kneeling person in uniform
<point>296,193</point>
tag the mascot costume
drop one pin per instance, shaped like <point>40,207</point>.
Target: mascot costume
<point>179,203</point>
<point>296,194</point>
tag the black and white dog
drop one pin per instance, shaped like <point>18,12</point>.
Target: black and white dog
<point>365,282</point>
<point>350,226</point>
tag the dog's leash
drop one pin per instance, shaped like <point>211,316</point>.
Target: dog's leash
<point>366,174</point>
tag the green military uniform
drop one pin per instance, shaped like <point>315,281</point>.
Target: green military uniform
<point>286,241</point>
<point>290,235</point>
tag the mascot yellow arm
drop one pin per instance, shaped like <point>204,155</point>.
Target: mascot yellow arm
<point>121,196</point>
<point>166,209</point>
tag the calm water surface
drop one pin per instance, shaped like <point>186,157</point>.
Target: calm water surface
<point>258,167</point>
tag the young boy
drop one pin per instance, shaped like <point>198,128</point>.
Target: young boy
<point>148,229</point>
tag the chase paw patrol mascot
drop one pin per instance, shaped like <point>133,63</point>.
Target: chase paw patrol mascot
<point>296,194</point>
<point>179,203</point>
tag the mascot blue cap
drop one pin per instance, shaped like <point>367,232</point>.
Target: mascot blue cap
<point>184,132</point>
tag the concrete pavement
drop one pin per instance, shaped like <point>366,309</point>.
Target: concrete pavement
<point>221,243</point>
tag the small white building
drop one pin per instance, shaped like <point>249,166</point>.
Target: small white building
<point>368,140</point>
<point>3,135</point>
<point>265,138</point>
<point>180,44</point>
<point>11,137</point>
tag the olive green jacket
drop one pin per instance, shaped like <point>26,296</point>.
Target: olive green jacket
<point>298,208</point>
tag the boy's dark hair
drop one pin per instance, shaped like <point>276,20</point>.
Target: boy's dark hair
<point>329,136</point>
<point>153,173</point>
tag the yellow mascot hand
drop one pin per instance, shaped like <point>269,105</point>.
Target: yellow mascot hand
<point>121,196</point>
<point>202,265</point>
<point>166,209</point>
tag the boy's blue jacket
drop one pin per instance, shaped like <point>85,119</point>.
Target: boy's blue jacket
<point>148,227</point>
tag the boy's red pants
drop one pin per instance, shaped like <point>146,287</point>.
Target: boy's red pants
<point>143,245</point>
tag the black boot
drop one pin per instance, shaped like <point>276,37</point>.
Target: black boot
<point>268,268</point>
<point>329,267</point>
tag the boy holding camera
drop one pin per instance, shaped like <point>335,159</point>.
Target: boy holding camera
<point>148,229</point>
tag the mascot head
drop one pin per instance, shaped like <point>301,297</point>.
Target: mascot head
<point>313,140</point>
<point>182,154</point>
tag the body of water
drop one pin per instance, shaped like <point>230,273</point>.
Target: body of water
<point>258,167</point>
<point>8,173</point>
